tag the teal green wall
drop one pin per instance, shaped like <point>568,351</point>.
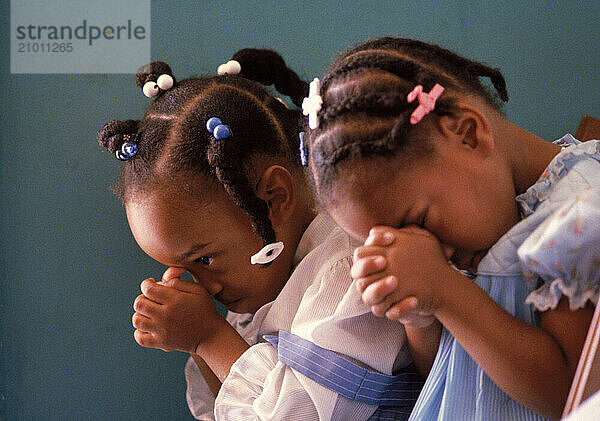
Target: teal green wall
<point>70,269</point>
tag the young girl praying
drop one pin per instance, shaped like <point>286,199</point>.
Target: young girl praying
<point>410,153</point>
<point>213,185</point>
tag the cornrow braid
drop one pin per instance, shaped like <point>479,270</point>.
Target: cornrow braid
<point>469,70</point>
<point>373,101</point>
<point>365,111</point>
<point>228,171</point>
<point>173,140</point>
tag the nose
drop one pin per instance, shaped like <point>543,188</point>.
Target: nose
<point>213,287</point>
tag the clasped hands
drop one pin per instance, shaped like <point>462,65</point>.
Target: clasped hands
<point>400,273</point>
<point>174,314</point>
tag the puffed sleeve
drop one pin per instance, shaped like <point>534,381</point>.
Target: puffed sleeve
<point>562,255</point>
<point>199,398</point>
<point>241,396</point>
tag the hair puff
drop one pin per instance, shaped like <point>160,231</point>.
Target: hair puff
<point>269,68</point>
<point>112,135</point>
<point>150,73</point>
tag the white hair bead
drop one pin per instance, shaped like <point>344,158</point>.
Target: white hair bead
<point>232,67</point>
<point>150,89</point>
<point>164,82</point>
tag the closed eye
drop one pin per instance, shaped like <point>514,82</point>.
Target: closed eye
<point>205,260</point>
<point>423,219</point>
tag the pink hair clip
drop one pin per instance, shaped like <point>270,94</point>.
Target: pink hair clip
<point>426,101</point>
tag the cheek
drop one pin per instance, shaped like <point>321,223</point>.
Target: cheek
<point>353,220</point>
<point>473,226</point>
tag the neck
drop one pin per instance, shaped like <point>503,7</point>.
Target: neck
<point>303,215</point>
<point>529,154</point>
<point>306,209</point>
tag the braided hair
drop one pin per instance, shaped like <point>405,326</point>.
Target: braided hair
<point>174,143</point>
<point>365,112</point>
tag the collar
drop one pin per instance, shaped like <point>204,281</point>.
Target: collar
<point>315,234</point>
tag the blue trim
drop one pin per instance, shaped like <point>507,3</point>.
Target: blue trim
<point>344,377</point>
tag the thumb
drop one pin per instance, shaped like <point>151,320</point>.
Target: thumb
<point>172,278</point>
<point>404,307</point>
<point>171,274</point>
<point>146,284</point>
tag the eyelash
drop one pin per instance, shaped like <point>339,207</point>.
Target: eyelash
<point>203,260</point>
<point>423,220</point>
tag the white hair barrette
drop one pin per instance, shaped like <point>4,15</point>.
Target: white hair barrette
<point>311,105</point>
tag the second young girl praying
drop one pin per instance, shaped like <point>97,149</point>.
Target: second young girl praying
<point>410,153</point>
<point>213,185</point>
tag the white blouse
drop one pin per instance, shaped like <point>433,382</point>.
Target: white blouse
<point>319,303</point>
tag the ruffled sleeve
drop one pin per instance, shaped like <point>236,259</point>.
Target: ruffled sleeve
<point>562,255</point>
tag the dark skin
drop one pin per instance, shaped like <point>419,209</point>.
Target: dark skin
<point>455,206</point>
<point>213,241</point>
<point>168,225</point>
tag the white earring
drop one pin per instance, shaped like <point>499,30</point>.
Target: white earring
<point>267,254</point>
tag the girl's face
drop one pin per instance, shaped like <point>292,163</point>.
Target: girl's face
<point>465,199</point>
<point>213,240</point>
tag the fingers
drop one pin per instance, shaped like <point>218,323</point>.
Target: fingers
<point>172,278</point>
<point>363,283</point>
<point>172,273</point>
<point>185,286</point>
<point>145,306</point>
<point>380,236</point>
<point>147,285</point>
<point>408,312</point>
<point>143,334</point>
<point>382,307</point>
<point>377,291</point>
<point>153,290</point>
<point>146,339</point>
<point>158,292</point>
<point>368,265</point>
<point>141,322</point>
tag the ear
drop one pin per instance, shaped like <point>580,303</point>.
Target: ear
<point>468,128</point>
<point>276,187</point>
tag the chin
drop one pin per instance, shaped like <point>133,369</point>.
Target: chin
<point>240,306</point>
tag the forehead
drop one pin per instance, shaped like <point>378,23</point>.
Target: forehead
<point>359,180</point>
<point>165,224</point>
<point>366,194</point>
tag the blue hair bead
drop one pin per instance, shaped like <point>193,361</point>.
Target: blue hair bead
<point>221,132</point>
<point>129,149</point>
<point>212,123</point>
<point>120,155</point>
